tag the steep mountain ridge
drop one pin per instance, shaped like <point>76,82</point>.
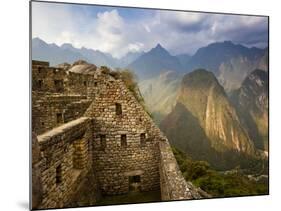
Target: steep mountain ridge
<point>67,53</point>
<point>251,100</point>
<point>203,106</point>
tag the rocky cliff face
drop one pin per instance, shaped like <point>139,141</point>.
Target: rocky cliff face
<point>263,64</point>
<point>205,121</point>
<point>251,100</point>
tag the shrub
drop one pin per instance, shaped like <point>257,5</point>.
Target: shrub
<point>217,183</point>
<point>105,70</point>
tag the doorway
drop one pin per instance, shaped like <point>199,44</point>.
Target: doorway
<point>134,183</point>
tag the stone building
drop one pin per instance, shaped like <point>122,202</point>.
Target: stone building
<point>92,137</point>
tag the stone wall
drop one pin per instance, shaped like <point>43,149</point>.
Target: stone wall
<point>173,184</point>
<point>52,110</point>
<point>36,178</point>
<point>59,95</point>
<point>48,79</point>
<point>66,161</point>
<point>83,84</point>
<point>138,155</point>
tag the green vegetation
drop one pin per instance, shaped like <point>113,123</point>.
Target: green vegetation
<point>105,69</point>
<point>130,80</point>
<point>218,184</point>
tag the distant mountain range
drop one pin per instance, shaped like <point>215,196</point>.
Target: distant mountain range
<point>213,55</point>
<point>231,63</point>
<point>67,53</point>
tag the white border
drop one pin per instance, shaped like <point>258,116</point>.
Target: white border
<point>15,103</point>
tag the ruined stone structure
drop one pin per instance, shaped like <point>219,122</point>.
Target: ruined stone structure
<point>91,135</point>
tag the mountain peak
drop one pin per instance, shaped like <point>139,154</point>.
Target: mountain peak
<point>160,49</point>
<point>202,79</point>
<point>37,40</point>
<point>158,46</point>
<point>228,42</point>
<point>200,74</point>
<point>155,61</point>
<point>203,106</point>
<point>67,46</point>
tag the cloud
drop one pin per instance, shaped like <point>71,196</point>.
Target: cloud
<point>119,31</point>
<point>247,30</point>
<point>107,34</point>
<point>55,23</point>
<point>185,21</point>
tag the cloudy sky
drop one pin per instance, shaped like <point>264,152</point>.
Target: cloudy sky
<point>120,30</point>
